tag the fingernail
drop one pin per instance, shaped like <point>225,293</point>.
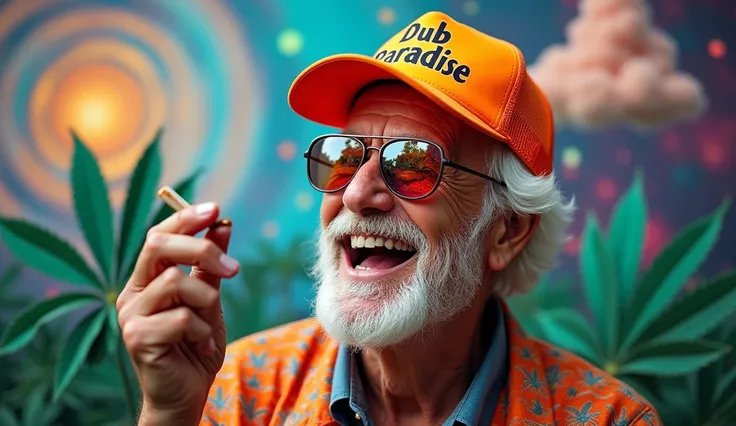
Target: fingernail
<point>228,262</point>
<point>205,208</point>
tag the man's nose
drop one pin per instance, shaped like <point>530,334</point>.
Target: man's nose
<point>367,193</point>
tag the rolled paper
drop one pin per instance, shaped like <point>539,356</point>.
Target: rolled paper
<point>177,202</point>
<point>172,198</point>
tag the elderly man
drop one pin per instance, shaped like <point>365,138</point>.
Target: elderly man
<point>439,201</point>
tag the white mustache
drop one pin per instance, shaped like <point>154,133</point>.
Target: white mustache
<point>349,224</point>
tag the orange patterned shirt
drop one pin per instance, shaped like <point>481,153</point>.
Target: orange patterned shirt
<point>283,376</point>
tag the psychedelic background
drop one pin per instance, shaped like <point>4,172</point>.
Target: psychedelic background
<point>214,74</point>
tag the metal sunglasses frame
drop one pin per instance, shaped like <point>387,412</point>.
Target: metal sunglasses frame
<point>391,140</point>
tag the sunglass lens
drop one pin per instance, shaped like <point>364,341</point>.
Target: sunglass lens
<point>411,168</point>
<point>333,161</point>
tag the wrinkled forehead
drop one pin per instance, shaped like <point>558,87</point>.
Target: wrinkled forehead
<point>391,108</point>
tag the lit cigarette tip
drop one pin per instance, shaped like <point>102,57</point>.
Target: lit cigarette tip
<point>222,222</point>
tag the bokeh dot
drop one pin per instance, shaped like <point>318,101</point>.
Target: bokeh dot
<point>656,237</point>
<point>713,154</point>
<point>471,7</point>
<point>717,48</point>
<point>304,201</point>
<point>290,42</point>
<point>386,15</point>
<point>572,246</point>
<point>571,157</point>
<point>607,189</point>
<point>286,150</point>
<point>270,229</point>
<point>691,284</point>
<point>51,292</point>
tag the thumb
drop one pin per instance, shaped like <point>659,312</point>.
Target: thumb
<point>221,237</point>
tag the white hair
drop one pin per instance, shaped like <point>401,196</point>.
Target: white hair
<point>525,194</point>
<point>448,274</point>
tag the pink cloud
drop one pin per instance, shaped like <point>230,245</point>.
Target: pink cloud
<point>616,68</point>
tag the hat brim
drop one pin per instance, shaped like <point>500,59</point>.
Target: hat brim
<point>325,91</point>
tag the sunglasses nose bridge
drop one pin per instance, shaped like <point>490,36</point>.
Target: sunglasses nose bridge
<point>368,150</point>
<point>367,157</point>
<point>406,171</point>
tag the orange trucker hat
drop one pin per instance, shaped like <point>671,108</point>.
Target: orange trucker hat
<point>480,79</point>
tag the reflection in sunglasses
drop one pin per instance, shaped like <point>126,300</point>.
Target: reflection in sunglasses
<point>410,168</point>
<point>414,171</point>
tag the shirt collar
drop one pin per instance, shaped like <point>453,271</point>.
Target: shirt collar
<point>477,405</point>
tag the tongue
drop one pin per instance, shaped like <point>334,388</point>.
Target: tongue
<point>382,261</point>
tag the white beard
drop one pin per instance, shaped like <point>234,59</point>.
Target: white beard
<point>446,281</point>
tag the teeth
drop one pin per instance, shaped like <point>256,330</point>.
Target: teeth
<point>362,268</point>
<point>361,241</point>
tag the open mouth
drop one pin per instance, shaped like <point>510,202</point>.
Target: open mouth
<point>375,252</point>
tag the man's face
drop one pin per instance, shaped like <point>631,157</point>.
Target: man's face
<point>389,267</point>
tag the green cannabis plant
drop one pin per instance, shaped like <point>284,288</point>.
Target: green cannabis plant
<point>96,337</point>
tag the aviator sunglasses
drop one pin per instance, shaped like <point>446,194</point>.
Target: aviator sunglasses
<point>411,168</point>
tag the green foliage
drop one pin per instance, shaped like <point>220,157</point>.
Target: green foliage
<point>77,348</point>
<point>707,397</point>
<point>8,301</point>
<point>547,296</point>
<point>626,237</point>
<point>143,183</point>
<point>24,327</point>
<point>47,253</point>
<point>92,205</point>
<point>97,335</point>
<point>639,326</point>
<point>244,308</point>
<point>35,412</point>
<point>93,397</point>
<point>645,330</point>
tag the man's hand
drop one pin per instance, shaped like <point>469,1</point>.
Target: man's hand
<point>172,322</point>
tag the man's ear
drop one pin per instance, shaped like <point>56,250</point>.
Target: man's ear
<point>508,236</point>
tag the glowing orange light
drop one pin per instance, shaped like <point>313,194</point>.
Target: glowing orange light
<point>717,48</point>
<point>102,103</point>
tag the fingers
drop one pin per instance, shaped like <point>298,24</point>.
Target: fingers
<point>144,334</point>
<point>172,288</point>
<point>162,250</point>
<point>219,236</point>
<point>188,221</point>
